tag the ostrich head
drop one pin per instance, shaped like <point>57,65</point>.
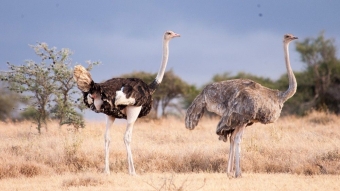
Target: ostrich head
<point>287,38</point>
<point>170,34</point>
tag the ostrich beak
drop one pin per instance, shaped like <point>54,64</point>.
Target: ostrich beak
<point>177,35</point>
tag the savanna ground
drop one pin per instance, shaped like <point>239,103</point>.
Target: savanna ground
<point>291,154</point>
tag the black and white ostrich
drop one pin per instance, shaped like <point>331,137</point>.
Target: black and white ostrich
<point>126,98</point>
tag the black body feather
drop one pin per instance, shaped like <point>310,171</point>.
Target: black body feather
<point>133,87</point>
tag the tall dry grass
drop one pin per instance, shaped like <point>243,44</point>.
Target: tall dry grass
<point>305,146</point>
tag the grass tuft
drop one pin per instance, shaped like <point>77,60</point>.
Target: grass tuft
<point>84,180</point>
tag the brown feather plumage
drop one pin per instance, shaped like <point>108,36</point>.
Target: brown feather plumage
<point>238,101</point>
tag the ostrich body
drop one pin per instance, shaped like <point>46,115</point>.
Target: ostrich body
<point>126,98</point>
<point>240,103</point>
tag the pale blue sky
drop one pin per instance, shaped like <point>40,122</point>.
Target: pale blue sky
<point>126,36</point>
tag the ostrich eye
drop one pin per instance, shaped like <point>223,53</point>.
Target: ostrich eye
<point>169,33</point>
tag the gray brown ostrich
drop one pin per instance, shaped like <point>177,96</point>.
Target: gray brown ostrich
<point>240,103</point>
<point>127,98</point>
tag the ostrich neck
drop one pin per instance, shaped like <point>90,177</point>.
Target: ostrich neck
<point>292,81</point>
<point>161,71</point>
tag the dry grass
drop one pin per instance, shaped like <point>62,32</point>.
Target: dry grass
<point>172,182</point>
<point>299,147</point>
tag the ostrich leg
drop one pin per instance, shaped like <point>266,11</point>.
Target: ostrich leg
<point>132,113</point>
<point>235,152</point>
<point>231,158</point>
<point>109,122</point>
<point>238,139</point>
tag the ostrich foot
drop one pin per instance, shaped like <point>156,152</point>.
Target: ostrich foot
<point>238,175</point>
<point>234,175</point>
<point>107,172</point>
<point>230,175</point>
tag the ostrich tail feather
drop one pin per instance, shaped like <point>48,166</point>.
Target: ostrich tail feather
<point>83,78</point>
<point>195,112</point>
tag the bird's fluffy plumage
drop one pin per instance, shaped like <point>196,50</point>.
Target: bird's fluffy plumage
<point>238,101</point>
<point>131,87</point>
<point>82,77</point>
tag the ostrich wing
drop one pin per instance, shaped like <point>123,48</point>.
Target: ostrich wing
<point>244,102</point>
<point>133,87</point>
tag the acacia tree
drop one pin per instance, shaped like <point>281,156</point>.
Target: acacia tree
<point>47,85</point>
<point>323,68</point>
<point>171,88</point>
<point>191,91</point>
